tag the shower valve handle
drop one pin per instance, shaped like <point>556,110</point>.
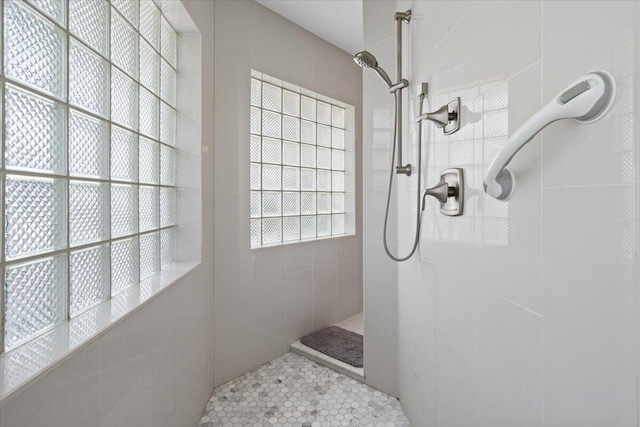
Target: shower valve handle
<point>446,117</point>
<point>441,192</point>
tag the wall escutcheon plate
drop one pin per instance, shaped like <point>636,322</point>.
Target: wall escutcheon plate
<point>454,206</point>
<point>454,113</point>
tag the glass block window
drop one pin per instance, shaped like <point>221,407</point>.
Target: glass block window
<point>88,162</point>
<point>301,164</point>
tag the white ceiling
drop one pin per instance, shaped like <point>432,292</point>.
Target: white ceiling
<point>337,21</point>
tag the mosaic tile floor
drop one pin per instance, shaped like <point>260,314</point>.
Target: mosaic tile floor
<point>292,391</point>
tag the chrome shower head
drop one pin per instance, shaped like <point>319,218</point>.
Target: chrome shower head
<point>366,59</point>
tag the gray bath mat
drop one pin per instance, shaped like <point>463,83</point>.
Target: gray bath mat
<point>338,343</point>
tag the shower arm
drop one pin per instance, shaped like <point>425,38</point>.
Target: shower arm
<point>400,17</point>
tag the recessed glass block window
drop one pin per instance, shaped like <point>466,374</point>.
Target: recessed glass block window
<point>301,152</point>
<point>88,178</point>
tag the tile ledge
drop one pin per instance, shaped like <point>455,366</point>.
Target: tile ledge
<point>27,363</point>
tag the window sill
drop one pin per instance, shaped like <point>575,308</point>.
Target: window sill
<point>25,364</point>
<point>293,242</point>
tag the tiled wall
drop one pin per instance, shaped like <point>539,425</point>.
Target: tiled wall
<point>156,368</point>
<point>531,304</point>
<point>380,272</point>
<point>268,298</point>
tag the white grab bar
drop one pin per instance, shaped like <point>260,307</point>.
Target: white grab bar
<point>586,100</point>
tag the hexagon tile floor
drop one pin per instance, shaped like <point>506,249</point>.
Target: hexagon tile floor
<point>292,391</point>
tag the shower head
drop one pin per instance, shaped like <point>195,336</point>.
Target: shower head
<point>366,59</point>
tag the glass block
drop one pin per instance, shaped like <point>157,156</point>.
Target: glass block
<point>324,225</point>
<point>256,93</point>
<point>271,124</point>
<point>271,150</point>
<point>307,132</point>
<point>337,138</point>
<point>255,176</point>
<point>52,8</point>
<point>271,204</point>
<point>308,203</point>
<point>125,264</point>
<point>337,116</point>
<point>35,298</point>
<point>88,146</point>
<point>271,97</point>
<point>167,247</point>
<point>168,208</point>
<point>167,83</point>
<point>149,254</point>
<point>290,229</point>
<point>124,155</point>
<point>124,210</point>
<point>337,181</point>
<point>149,165</point>
<point>271,230</point>
<point>128,9</point>
<point>88,212</point>
<point>150,22</point>
<point>89,21</point>
<point>149,67</point>
<point>124,100</point>
<point>271,177</point>
<point>324,136</point>
<point>256,121</point>
<point>256,232</point>
<point>308,227</point>
<point>255,204</point>
<point>88,80</point>
<point>167,165</point>
<point>34,48</point>
<point>35,216</point>
<point>290,153</point>
<point>324,180</point>
<point>324,203</point>
<point>324,158</point>
<point>324,113</point>
<point>308,179</point>
<point>337,226</point>
<point>291,103</point>
<point>255,149</point>
<point>148,205</point>
<point>34,132</point>
<point>167,124</point>
<point>307,156</point>
<point>308,108</point>
<point>149,111</point>
<point>290,128</point>
<point>290,203</point>
<point>290,178</point>
<point>337,204</point>
<point>337,160</point>
<point>124,45</point>
<point>168,42</point>
<point>89,272</point>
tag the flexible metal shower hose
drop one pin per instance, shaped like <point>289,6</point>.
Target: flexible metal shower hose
<point>392,173</point>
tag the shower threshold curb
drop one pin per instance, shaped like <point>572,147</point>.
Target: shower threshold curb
<point>328,361</point>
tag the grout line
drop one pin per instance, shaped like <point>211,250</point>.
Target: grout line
<point>471,8</point>
<point>512,302</point>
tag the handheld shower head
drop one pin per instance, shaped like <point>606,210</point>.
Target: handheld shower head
<point>365,59</point>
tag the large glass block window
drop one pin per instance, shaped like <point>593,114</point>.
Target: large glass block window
<point>302,164</point>
<point>88,156</point>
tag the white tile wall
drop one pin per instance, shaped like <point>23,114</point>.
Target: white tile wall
<point>380,273</point>
<point>529,304</point>
<point>270,297</point>
<point>156,368</point>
